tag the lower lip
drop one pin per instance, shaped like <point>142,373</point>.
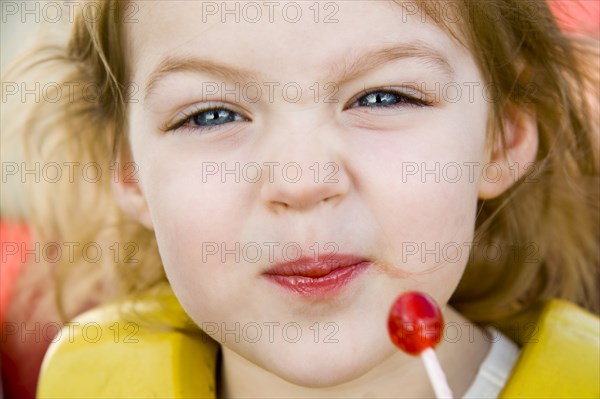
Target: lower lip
<point>326,285</point>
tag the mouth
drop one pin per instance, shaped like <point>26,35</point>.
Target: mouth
<point>325,276</point>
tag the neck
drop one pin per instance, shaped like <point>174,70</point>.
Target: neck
<point>397,376</point>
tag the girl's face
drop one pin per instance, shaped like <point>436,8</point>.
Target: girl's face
<point>268,131</point>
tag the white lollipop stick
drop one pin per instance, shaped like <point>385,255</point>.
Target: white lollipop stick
<point>436,374</point>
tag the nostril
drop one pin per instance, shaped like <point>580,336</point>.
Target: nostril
<point>331,198</point>
<point>279,205</point>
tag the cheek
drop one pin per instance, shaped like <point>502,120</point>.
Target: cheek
<point>421,186</point>
<point>426,232</point>
<point>195,215</point>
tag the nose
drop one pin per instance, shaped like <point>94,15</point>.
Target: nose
<point>306,171</point>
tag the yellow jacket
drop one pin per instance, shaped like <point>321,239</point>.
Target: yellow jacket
<point>101,354</point>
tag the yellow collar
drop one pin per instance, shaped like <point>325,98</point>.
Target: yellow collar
<point>125,350</point>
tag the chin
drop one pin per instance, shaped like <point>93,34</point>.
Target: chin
<point>325,365</point>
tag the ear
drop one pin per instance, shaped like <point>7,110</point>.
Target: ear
<point>509,161</point>
<point>128,193</point>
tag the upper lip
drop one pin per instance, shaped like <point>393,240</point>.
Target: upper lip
<point>314,266</point>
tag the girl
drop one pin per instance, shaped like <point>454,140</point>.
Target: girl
<point>301,164</point>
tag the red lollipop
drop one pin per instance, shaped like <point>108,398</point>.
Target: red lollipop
<point>415,325</point>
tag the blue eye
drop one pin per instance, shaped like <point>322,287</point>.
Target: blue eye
<point>378,99</point>
<point>205,119</point>
<point>213,117</point>
<point>387,99</point>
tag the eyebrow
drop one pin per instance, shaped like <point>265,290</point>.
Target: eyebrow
<point>175,64</point>
<point>377,57</point>
<point>338,73</point>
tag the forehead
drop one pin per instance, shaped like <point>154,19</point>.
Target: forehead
<point>279,39</point>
